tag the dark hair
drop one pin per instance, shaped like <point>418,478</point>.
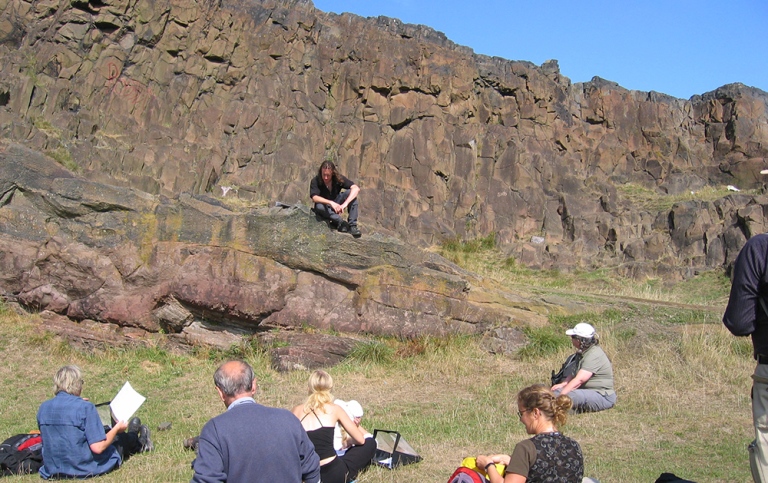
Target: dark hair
<point>586,342</point>
<point>234,380</point>
<point>334,173</point>
<point>539,396</point>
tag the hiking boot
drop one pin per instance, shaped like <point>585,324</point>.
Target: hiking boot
<point>343,227</point>
<point>133,425</point>
<point>355,231</point>
<point>144,439</point>
<point>191,443</point>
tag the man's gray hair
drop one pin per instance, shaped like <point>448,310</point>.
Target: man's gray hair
<point>234,382</point>
<point>68,379</point>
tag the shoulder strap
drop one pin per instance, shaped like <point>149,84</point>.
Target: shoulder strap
<point>318,417</point>
<point>313,412</point>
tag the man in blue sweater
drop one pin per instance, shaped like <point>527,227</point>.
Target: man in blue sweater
<point>747,314</point>
<point>250,442</point>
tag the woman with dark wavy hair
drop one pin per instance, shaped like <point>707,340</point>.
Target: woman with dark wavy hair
<point>590,387</point>
<point>549,456</point>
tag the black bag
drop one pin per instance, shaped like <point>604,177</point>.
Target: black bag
<point>21,454</point>
<point>671,478</point>
<point>568,369</point>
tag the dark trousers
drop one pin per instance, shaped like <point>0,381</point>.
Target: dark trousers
<point>326,211</point>
<point>345,468</point>
<point>127,444</point>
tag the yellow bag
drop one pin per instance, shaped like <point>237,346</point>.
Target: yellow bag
<point>471,463</point>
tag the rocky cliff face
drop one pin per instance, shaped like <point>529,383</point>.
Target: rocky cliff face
<point>172,96</point>
<point>203,272</point>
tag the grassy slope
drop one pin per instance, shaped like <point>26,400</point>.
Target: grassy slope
<point>683,397</point>
<point>683,385</point>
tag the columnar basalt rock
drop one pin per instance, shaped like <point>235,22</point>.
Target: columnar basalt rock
<point>158,107</point>
<point>173,96</point>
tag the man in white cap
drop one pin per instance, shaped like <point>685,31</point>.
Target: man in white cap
<point>590,386</point>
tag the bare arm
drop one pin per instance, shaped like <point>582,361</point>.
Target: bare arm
<point>493,474</point>
<point>98,448</point>
<point>580,378</point>
<point>298,411</point>
<point>353,192</point>
<point>514,478</point>
<point>354,432</point>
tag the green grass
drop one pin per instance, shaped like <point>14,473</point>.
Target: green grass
<point>654,201</point>
<point>683,385</point>
<point>481,256</point>
<point>64,158</point>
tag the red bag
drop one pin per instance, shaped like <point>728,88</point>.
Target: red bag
<point>466,475</point>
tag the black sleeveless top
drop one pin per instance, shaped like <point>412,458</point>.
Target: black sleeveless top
<point>322,438</point>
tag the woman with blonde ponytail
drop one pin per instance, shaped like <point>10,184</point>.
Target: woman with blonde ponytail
<point>319,416</point>
<point>548,455</point>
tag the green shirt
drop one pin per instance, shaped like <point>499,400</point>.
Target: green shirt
<point>595,361</point>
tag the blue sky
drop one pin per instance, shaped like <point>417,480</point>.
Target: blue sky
<point>678,47</point>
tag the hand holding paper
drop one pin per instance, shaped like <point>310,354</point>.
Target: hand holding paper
<point>125,404</point>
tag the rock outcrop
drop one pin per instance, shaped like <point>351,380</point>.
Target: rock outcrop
<point>167,117</point>
<point>172,96</point>
<point>207,274</point>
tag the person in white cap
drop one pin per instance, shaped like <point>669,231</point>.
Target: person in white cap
<point>590,386</point>
<point>341,440</point>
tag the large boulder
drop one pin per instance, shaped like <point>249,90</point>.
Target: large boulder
<point>204,272</point>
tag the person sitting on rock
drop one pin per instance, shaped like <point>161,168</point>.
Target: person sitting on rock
<point>330,201</point>
<point>75,443</point>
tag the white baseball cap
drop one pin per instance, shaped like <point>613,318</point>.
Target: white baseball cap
<point>352,407</point>
<point>582,329</point>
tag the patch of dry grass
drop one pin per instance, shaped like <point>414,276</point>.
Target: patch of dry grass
<point>655,201</point>
<point>683,386</point>
<point>482,257</point>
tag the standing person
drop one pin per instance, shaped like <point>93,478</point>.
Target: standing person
<point>75,443</point>
<point>319,416</point>
<point>548,455</point>
<point>591,387</point>
<point>330,201</point>
<point>250,442</point>
<point>747,314</point>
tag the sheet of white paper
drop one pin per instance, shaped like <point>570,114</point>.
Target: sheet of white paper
<point>125,404</point>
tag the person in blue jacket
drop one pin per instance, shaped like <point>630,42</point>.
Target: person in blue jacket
<point>75,442</point>
<point>250,442</point>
